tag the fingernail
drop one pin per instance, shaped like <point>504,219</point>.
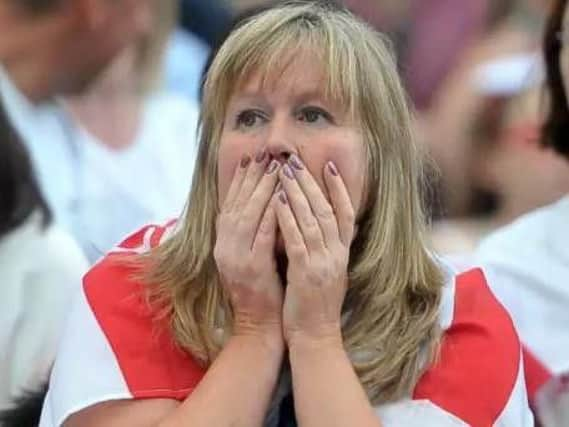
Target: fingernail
<point>272,167</point>
<point>279,187</point>
<point>332,168</point>
<point>260,156</point>
<point>283,198</point>
<point>295,162</point>
<point>288,172</point>
<point>245,161</point>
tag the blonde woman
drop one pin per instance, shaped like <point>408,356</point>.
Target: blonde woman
<point>299,269</point>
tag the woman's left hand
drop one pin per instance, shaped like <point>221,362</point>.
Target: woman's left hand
<point>317,236</point>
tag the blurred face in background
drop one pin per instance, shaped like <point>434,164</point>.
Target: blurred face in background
<point>102,29</point>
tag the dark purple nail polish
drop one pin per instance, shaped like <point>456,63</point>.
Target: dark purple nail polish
<point>288,172</point>
<point>283,198</point>
<point>296,162</point>
<point>332,168</point>
<point>272,167</point>
<point>260,156</point>
<point>245,161</point>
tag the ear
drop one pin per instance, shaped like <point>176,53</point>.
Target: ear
<point>89,14</point>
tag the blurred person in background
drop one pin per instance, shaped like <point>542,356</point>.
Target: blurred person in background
<point>40,270</point>
<point>528,260</point>
<point>52,47</point>
<point>439,31</point>
<point>504,141</point>
<point>49,48</point>
<point>132,146</point>
<point>512,27</point>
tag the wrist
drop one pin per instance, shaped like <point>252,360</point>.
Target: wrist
<point>268,335</point>
<point>325,339</point>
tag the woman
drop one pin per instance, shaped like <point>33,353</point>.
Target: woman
<point>301,257</point>
<point>529,258</point>
<point>40,266</point>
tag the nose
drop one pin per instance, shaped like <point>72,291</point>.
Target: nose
<point>280,143</point>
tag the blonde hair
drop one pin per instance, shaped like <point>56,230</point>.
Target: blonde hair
<point>391,328</point>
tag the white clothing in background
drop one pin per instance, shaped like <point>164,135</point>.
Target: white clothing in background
<point>184,62</point>
<point>100,195</point>
<point>527,263</point>
<point>40,272</point>
<point>119,191</point>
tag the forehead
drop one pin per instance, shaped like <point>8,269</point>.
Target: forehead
<point>292,76</point>
<point>291,71</point>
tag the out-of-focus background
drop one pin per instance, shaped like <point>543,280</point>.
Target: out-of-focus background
<point>474,72</point>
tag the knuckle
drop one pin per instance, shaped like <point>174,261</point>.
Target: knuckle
<point>298,253</point>
<point>265,229</point>
<point>325,213</point>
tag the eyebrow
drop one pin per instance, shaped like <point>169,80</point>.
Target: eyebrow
<point>303,97</point>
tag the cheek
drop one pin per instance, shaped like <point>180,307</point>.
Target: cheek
<point>227,161</point>
<point>347,152</point>
<point>352,167</point>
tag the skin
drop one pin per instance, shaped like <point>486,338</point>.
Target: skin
<point>63,50</point>
<point>291,163</point>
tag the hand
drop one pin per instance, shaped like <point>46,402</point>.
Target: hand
<point>317,239</point>
<point>244,250</point>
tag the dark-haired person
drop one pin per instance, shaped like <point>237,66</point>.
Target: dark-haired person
<point>40,270</point>
<point>528,260</point>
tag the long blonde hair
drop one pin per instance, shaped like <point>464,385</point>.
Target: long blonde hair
<point>391,308</point>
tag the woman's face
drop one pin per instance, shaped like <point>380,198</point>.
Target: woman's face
<point>290,114</point>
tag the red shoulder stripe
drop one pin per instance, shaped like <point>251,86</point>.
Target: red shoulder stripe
<point>479,357</point>
<point>152,365</point>
<point>535,372</point>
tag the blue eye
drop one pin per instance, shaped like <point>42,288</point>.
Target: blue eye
<point>249,119</point>
<point>314,115</point>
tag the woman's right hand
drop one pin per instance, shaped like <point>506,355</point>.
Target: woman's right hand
<point>244,249</point>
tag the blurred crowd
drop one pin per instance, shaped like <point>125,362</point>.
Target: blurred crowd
<point>99,117</point>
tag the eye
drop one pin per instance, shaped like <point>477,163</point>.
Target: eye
<point>249,118</point>
<point>314,115</point>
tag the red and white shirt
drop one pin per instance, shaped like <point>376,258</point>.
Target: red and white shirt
<point>113,348</point>
<point>527,263</point>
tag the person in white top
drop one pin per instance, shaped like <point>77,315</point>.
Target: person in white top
<point>528,260</point>
<point>118,157</point>
<point>40,271</point>
<point>133,145</point>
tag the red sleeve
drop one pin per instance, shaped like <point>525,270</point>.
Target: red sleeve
<point>151,364</point>
<point>479,361</point>
<point>535,372</point>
